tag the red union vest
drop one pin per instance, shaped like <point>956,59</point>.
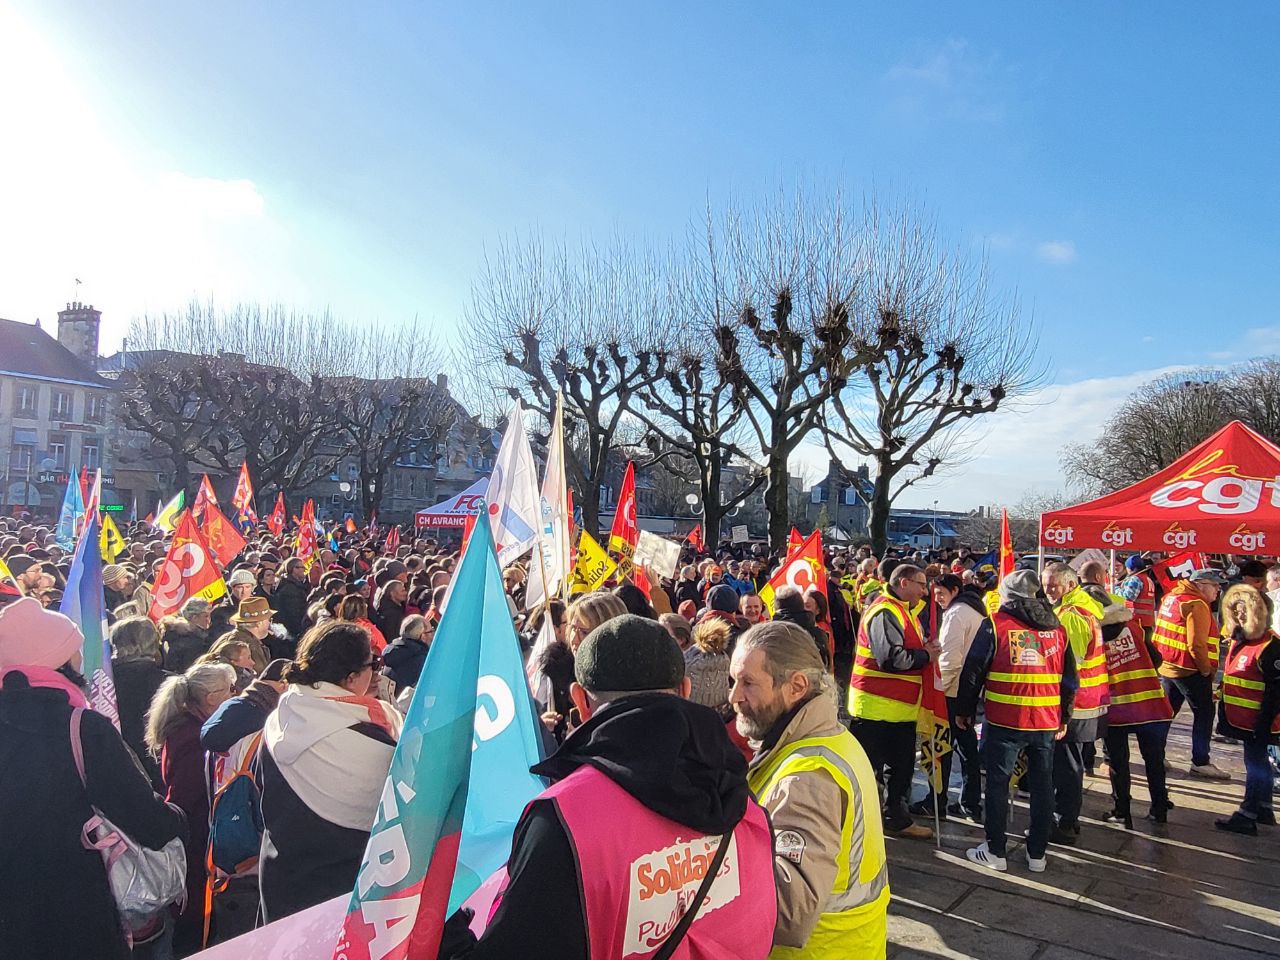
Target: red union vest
<point>1024,685</point>
<point>1092,697</point>
<point>876,694</point>
<point>1243,686</point>
<point>639,870</point>
<point>1172,623</point>
<point>1136,694</point>
<point>1144,608</point>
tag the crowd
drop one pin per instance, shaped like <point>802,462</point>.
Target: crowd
<point>713,725</point>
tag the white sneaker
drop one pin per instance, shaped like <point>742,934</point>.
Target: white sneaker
<point>984,857</point>
<point>1037,864</point>
<point>1207,771</point>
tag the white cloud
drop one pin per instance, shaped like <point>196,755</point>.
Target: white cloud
<point>949,81</point>
<point>139,234</point>
<point>1057,251</point>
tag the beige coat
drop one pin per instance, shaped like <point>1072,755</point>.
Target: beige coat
<point>807,809</point>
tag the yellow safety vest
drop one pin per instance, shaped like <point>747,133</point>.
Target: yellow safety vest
<point>867,704</point>
<point>854,918</point>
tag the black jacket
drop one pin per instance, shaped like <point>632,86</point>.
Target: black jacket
<point>402,662</point>
<point>136,684</point>
<point>290,603</point>
<point>672,755</point>
<point>1035,615</point>
<point>688,590</point>
<point>804,620</point>
<point>183,643</point>
<point>54,898</point>
<point>390,615</point>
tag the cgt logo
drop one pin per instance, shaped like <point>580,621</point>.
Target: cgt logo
<point>1175,536</point>
<point>1247,540</point>
<point>1214,487</point>
<point>1054,533</point>
<point>1117,535</point>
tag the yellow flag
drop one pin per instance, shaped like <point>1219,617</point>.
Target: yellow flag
<point>6,574</point>
<point>593,568</point>
<point>110,543</point>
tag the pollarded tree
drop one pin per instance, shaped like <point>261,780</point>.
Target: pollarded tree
<point>933,349</point>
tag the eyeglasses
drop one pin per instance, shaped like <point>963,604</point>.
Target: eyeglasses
<point>921,583</point>
<point>375,664</point>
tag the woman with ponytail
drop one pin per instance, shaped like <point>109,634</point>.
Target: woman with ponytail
<point>178,710</point>
<point>325,754</point>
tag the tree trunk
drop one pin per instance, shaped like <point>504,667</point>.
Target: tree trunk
<point>712,511</point>
<point>880,505</point>
<point>776,501</point>
<point>181,471</point>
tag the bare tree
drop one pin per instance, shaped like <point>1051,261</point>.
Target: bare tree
<point>934,349</point>
<point>585,324</point>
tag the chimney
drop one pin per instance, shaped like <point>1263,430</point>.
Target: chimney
<point>78,331</point>
<point>442,383</point>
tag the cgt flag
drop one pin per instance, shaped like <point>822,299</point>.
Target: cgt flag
<point>242,500</point>
<point>224,540</point>
<point>471,723</point>
<point>1006,546</point>
<point>803,569</point>
<point>625,533</point>
<point>189,570</point>
<point>83,602</point>
<point>205,498</point>
<point>275,522</point>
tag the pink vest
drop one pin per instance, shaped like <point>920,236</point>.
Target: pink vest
<point>640,870</point>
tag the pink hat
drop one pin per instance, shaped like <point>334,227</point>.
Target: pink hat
<point>30,635</point>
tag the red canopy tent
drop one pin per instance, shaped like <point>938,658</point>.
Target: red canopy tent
<point>1222,496</point>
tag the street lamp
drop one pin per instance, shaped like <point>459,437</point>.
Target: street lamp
<point>935,525</point>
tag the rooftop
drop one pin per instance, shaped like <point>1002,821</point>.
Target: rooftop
<point>27,351</point>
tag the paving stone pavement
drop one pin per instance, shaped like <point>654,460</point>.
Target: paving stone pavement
<point>1181,890</point>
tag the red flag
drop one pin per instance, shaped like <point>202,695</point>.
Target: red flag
<point>307,542</point>
<point>189,570</point>
<point>393,542</point>
<point>351,525</point>
<point>84,484</point>
<point>275,522</point>
<point>1179,567</point>
<point>695,538</point>
<point>625,533</point>
<point>803,569</point>
<point>468,525</point>
<point>224,540</point>
<point>794,541</point>
<point>242,499</point>
<point>205,498</point>
<point>1006,546</point>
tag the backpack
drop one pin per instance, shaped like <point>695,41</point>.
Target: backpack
<point>235,830</point>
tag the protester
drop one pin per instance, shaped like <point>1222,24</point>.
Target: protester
<point>136,671</point>
<point>390,607</point>
<point>788,607</point>
<point>241,585</point>
<point>963,614</point>
<point>815,781</point>
<point>885,689</point>
<point>325,754</point>
<point>1250,707</point>
<point>1183,629</point>
<point>355,609</point>
<point>587,612</point>
<point>706,663</point>
<point>181,705</point>
<point>184,637</point>
<point>251,625</point>
<point>55,900</point>
<point>1139,592</point>
<point>675,789</point>
<point>290,602</point>
<point>751,607</point>
<point>404,657</point>
<point>1021,666</point>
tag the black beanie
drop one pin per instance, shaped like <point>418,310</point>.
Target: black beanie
<point>629,654</point>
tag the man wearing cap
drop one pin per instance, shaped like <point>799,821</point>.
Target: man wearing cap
<point>1021,665</point>
<point>241,585</point>
<point>586,885</point>
<point>1183,632</point>
<point>252,622</point>
<point>117,587</point>
<point>823,801</point>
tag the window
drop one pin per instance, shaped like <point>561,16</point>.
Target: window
<point>24,400</point>
<point>58,450</point>
<point>60,407</point>
<point>90,453</point>
<point>96,408</point>
<point>22,454</point>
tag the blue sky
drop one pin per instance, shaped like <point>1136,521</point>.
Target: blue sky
<point>1118,161</point>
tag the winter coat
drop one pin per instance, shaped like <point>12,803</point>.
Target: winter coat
<point>182,643</point>
<point>54,897</point>
<point>239,717</point>
<point>290,604</point>
<point>707,665</point>
<point>403,660</point>
<point>688,590</point>
<point>804,620</point>
<point>324,760</point>
<point>390,615</point>
<point>1246,618</point>
<point>257,649</point>
<point>960,623</point>
<point>136,684</point>
<point>182,768</point>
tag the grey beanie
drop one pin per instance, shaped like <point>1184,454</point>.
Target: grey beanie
<point>629,654</point>
<point>1020,583</point>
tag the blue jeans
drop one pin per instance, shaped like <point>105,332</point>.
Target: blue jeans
<point>1196,690</point>
<point>1000,749</point>
<point>1258,782</point>
<point>964,744</point>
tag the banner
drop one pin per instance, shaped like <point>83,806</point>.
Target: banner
<point>625,532</point>
<point>933,724</point>
<point>392,543</point>
<point>224,540</point>
<point>593,567</point>
<point>550,577</point>
<point>515,510</point>
<point>1006,546</point>
<point>471,723</point>
<point>110,543</point>
<point>167,516</point>
<point>658,554</point>
<point>1178,567</point>
<point>803,569</point>
<point>83,602</point>
<point>189,570</point>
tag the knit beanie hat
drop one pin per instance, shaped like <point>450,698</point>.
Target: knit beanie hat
<point>1020,583</point>
<point>723,598</point>
<point>629,654</point>
<point>33,636</point>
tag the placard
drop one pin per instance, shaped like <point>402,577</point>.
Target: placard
<point>660,555</point>
<point>741,534</point>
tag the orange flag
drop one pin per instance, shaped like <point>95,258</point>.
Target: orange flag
<point>695,537</point>
<point>205,498</point>
<point>794,541</point>
<point>803,569</point>
<point>189,570</point>
<point>224,540</point>
<point>1006,546</point>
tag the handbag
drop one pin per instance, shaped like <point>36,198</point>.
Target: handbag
<point>673,939</point>
<point>143,882</point>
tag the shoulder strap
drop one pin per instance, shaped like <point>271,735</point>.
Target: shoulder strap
<point>678,934</point>
<point>77,748</point>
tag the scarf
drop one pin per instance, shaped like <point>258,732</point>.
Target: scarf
<point>48,677</point>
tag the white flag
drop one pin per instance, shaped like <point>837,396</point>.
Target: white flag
<point>553,539</point>
<point>514,508</point>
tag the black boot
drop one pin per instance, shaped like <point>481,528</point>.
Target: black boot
<point>1238,823</point>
